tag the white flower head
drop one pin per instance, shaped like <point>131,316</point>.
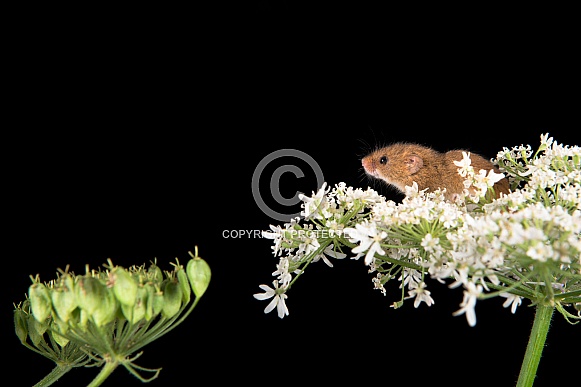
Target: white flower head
<point>282,271</point>
<point>469,302</point>
<point>331,252</point>
<point>369,239</point>
<point>511,299</point>
<point>473,242</point>
<point>421,294</point>
<point>464,165</point>
<point>429,243</point>
<point>278,296</point>
<point>314,205</point>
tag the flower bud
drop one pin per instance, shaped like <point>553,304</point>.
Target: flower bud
<point>21,325</point>
<point>199,274</point>
<point>157,302</point>
<point>107,309</point>
<point>184,284</point>
<point>140,305</point>
<point>124,285</point>
<point>83,320</point>
<point>172,298</point>
<point>40,304</point>
<point>36,329</point>
<point>127,312</point>
<point>64,301</point>
<point>150,299</point>
<point>155,273</point>
<point>74,318</point>
<point>57,327</point>
<point>90,293</point>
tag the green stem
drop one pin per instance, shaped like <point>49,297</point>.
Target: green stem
<point>54,375</point>
<point>541,324</point>
<point>107,369</point>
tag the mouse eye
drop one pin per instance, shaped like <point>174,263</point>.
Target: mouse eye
<point>383,160</point>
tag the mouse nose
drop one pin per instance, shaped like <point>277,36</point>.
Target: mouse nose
<point>367,164</point>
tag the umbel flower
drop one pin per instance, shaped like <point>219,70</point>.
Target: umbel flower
<point>524,245</point>
<point>102,318</point>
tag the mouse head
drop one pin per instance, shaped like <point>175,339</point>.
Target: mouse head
<point>396,164</point>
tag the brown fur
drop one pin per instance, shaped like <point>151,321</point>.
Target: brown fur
<point>406,163</point>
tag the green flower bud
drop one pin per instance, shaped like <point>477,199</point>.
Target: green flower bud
<point>21,325</point>
<point>75,318</point>
<point>36,329</point>
<point>57,327</point>
<point>155,274</point>
<point>90,293</point>
<point>172,298</point>
<point>199,274</point>
<point>149,306</point>
<point>157,302</point>
<point>83,319</point>
<point>124,285</point>
<point>184,284</point>
<point>127,312</point>
<point>40,304</point>
<point>140,307</point>
<point>107,309</point>
<point>64,300</point>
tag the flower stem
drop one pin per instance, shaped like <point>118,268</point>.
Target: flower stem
<point>54,375</point>
<point>535,346</point>
<point>107,369</point>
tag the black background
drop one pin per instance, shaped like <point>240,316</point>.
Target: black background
<point>136,138</point>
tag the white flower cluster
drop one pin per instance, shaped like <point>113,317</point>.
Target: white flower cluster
<point>526,244</point>
<point>480,181</point>
<point>298,243</point>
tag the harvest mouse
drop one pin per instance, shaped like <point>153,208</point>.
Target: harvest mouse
<point>402,163</point>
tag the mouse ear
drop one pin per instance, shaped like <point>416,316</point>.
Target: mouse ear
<point>414,163</point>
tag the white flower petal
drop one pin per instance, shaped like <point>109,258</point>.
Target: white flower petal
<point>271,305</point>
